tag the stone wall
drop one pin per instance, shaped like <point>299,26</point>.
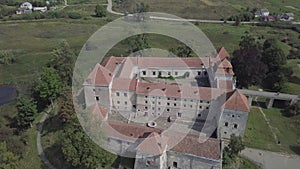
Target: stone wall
<point>232,122</point>
<point>188,161</point>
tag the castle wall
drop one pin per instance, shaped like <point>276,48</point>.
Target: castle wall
<point>188,161</point>
<point>232,122</point>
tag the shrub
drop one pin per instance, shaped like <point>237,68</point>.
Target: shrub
<point>74,15</point>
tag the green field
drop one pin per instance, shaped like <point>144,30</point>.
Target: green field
<point>214,9</point>
<point>258,134</point>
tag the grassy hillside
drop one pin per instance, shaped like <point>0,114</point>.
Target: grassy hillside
<point>214,9</point>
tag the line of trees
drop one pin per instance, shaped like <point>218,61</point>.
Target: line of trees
<point>260,64</point>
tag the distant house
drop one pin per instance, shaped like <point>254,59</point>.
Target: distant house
<point>287,17</point>
<point>268,18</point>
<point>261,12</point>
<point>41,9</point>
<point>25,8</point>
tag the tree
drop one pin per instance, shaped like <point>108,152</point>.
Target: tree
<point>63,62</point>
<point>26,110</point>
<point>138,42</point>
<point>234,147</point>
<point>141,7</point>
<point>275,59</point>
<point>7,58</point>
<point>80,151</point>
<point>49,86</point>
<point>100,11</point>
<point>292,110</point>
<point>66,107</point>
<point>7,159</point>
<point>246,61</point>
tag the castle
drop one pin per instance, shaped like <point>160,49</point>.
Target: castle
<point>195,93</point>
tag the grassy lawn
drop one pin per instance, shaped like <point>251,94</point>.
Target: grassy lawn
<point>293,85</point>
<point>242,163</point>
<point>258,134</point>
<point>214,9</point>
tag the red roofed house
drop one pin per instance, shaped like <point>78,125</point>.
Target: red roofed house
<point>147,88</point>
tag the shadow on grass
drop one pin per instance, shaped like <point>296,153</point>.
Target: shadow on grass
<point>56,158</point>
<point>52,125</point>
<point>294,79</point>
<point>295,149</point>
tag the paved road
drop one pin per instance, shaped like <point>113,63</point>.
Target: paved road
<point>38,142</point>
<point>272,160</point>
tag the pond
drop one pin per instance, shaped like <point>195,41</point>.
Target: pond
<point>7,94</point>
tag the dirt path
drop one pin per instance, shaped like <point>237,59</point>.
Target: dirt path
<point>38,141</point>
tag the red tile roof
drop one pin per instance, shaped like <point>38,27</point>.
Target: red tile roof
<point>224,71</point>
<point>177,91</point>
<point>99,76</point>
<point>223,54</point>
<point>99,110</point>
<point>111,62</point>
<point>211,148</point>
<point>225,64</point>
<point>154,144</point>
<point>236,101</point>
<point>124,84</point>
<point>129,131</point>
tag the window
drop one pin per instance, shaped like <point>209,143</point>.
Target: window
<point>179,114</point>
<point>153,108</point>
<point>232,115</point>
<point>175,164</point>
<point>117,94</point>
<point>168,104</point>
<point>184,105</point>
<point>199,73</point>
<point>125,102</point>
<point>158,108</point>
<point>207,107</point>
<point>134,106</point>
<point>97,98</point>
<point>174,104</point>
<point>94,90</point>
<point>154,73</point>
<point>176,73</point>
<point>148,163</point>
<point>191,106</point>
<point>168,110</point>
<point>168,98</point>
<point>146,96</point>
<point>226,124</point>
<point>201,101</point>
<point>144,72</point>
<point>235,126</point>
<point>200,107</point>
<point>146,101</point>
<point>125,94</point>
<point>159,103</point>
<point>225,132</point>
<point>169,73</point>
<point>199,115</point>
<point>146,107</point>
<point>118,102</point>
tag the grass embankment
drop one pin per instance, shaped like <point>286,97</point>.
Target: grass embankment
<point>213,9</point>
<point>259,135</point>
